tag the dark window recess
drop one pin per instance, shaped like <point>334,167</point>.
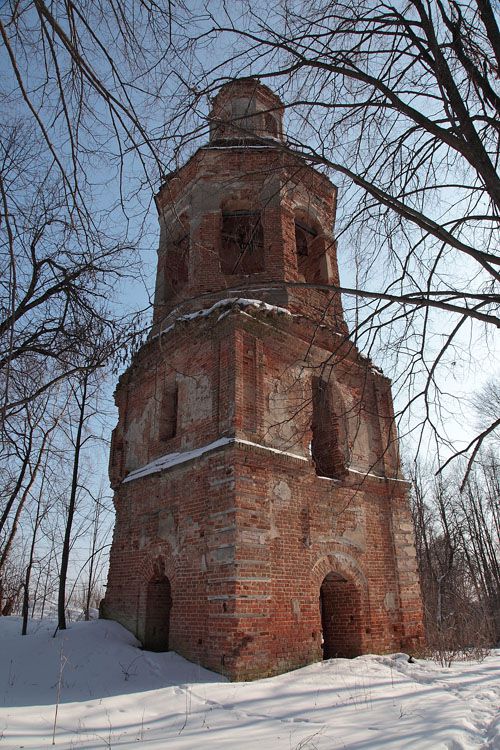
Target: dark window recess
<point>308,262</point>
<point>302,239</point>
<point>270,125</point>
<point>168,413</point>
<point>242,243</point>
<point>176,265</point>
<point>328,442</point>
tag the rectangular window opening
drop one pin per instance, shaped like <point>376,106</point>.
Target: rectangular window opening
<point>168,413</point>
<point>242,243</point>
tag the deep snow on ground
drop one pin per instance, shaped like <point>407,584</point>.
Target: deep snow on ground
<point>114,695</point>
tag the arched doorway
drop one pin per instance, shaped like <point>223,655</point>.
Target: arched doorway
<point>341,617</point>
<point>158,606</point>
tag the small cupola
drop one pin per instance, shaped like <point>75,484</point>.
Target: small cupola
<point>245,110</point>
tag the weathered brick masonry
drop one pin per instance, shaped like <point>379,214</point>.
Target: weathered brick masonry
<point>262,520</point>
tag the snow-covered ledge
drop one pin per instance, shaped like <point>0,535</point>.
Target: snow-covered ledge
<point>173,459</point>
<point>238,303</point>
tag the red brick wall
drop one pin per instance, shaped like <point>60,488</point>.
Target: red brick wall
<point>245,535</point>
<point>249,534</point>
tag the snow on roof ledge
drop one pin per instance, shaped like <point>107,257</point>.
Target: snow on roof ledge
<point>180,457</point>
<point>234,302</point>
<point>173,459</point>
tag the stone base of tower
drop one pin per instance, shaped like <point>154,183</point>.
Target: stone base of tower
<point>267,567</point>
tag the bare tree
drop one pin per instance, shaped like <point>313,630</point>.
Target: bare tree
<point>84,392</point>
<point>40,510</point>
<point>480,534</point>
<point>486,402</point>
<point>87,76</point>
<point>25,455</point>
<point>401,103</point>
<point>94,573</point>
<point>46,582</point>
<point>57,272</point>
<point>458,551</point>
<point>81,399</point>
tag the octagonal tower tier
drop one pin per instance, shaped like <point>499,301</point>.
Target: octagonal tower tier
<point>244,214</point>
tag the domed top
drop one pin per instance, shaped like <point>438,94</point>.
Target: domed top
<point>245,109</point>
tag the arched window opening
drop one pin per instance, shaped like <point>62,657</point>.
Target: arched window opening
<point>158,608</point>
<point>329,433</point>
<point>341,617</point>
<point>242,243</point>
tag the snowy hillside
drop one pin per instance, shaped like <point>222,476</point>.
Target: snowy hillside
<point>114,695</point>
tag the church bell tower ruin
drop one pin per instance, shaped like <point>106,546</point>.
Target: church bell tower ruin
<point>262,521</point>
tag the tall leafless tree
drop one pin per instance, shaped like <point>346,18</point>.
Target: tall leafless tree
<point>58,271</point>
<point>24,457</point>
<point>56,274</point>
<point>401,103</point>
<point>81,395</point>
<point>458,549</point>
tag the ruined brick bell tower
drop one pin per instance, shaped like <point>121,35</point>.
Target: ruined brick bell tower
<point>262,521</point>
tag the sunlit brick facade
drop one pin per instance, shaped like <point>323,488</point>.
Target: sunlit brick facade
<point>262,519</point>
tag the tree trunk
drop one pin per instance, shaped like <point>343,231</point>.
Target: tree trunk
<point>61,602</point>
